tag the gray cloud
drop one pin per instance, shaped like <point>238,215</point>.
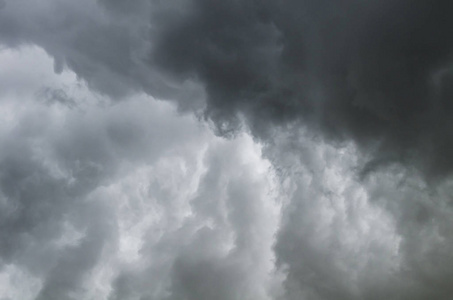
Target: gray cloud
<point>370,71</point>
<point>374,72</point>
<point>98,201</point>
<point>106,193</point>
<point>101,43</point>
<point>342,237</point>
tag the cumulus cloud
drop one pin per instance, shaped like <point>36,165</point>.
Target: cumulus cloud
<point>130,200</point>
<point>347,237</point>
<point>334,182</point>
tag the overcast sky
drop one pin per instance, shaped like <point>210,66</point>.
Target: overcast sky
<point>230,150</point>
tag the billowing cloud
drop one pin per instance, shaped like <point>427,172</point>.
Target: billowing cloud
<point>371,71</point>
<point>334,181</point>
<point>103,201</point>
<point>346,237</point>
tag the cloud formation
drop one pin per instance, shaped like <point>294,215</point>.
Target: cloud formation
<point>334,183</point>
<point>102,201</point>
<point>342,237</point>
<point>375,72</point>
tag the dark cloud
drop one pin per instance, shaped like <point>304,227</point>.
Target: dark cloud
<point>351,100</point>
<point>372,71</point>
<point>375,72</point>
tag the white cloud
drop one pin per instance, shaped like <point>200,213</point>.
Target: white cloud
<point>126,199</point>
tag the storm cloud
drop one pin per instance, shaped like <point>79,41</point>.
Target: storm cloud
<point>200,149</point>
<point>376,72</point>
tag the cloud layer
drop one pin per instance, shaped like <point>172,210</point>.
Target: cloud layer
<point>333,182</point>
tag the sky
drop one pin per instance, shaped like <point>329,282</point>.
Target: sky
<point>230,150</point>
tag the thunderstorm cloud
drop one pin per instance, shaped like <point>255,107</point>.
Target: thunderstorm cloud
<point>236,149</point>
